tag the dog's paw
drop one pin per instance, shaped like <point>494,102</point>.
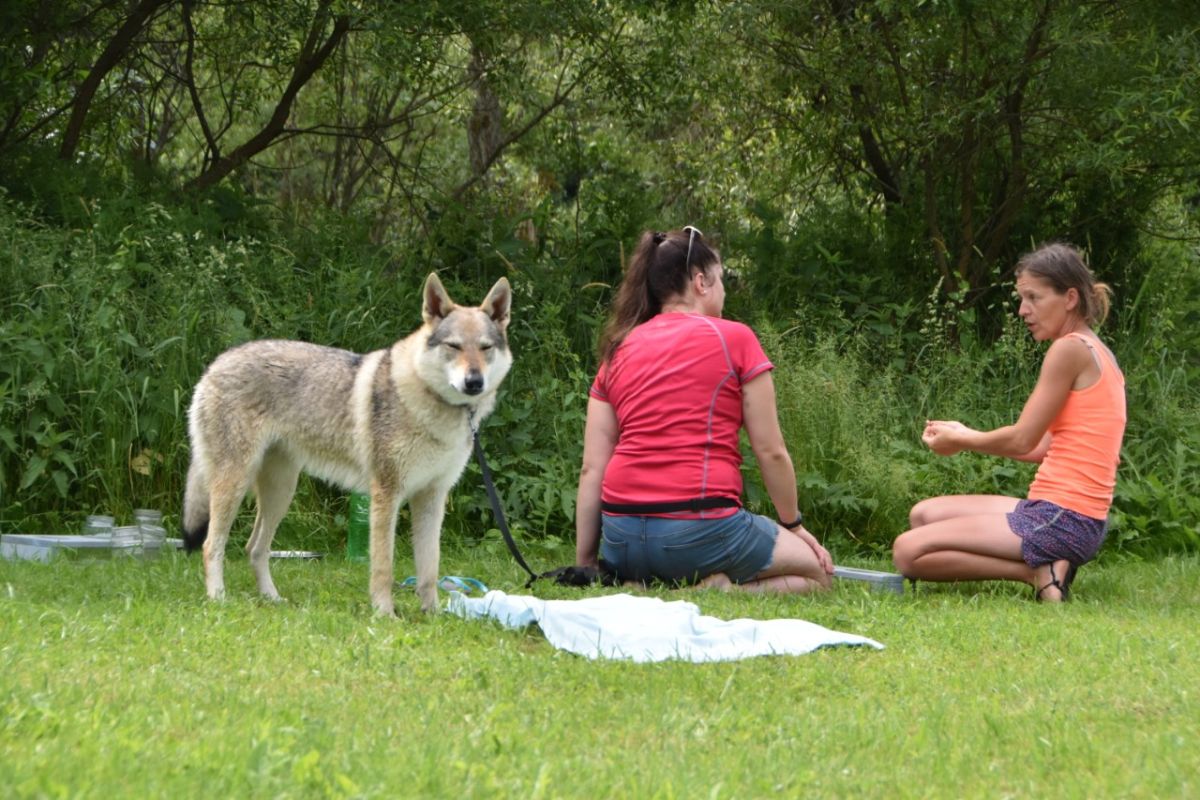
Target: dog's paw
<point>429,600</point>
<point>386,610</point>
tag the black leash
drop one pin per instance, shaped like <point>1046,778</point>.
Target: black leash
<point>494,498</point>
<point>565,576</point>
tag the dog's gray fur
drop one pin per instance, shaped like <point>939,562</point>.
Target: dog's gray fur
<point>393,422</point>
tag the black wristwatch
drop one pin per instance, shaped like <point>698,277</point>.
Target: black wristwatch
<point>796,523</point>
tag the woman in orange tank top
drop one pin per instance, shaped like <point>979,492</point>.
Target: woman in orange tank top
<point>1072,425</point>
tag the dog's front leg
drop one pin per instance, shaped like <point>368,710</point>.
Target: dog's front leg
<point>428,507</point>
<point>385,504</point>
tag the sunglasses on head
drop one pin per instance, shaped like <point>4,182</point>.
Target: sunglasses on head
<point>692,231</point>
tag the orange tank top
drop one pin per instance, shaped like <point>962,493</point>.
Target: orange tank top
<point>1080,468</point>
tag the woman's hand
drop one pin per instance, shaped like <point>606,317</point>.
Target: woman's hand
<point>944,436</point>
<point>822,554</point>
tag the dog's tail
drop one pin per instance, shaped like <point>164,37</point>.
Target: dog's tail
<point>195,507</point>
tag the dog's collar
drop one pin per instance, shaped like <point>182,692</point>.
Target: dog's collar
<point>472,422</point>
<point>467,407</point>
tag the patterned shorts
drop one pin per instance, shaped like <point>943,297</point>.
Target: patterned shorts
<point>1050,532</point>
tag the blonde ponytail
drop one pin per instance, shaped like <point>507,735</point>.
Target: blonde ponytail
<point>1102,301</point>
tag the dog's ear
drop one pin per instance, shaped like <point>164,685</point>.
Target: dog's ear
<point>498,302</point>
<point>437,304</point>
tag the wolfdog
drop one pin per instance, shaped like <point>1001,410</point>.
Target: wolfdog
<point>394,422</point>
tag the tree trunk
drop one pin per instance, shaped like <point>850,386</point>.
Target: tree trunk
<point>485,130</point>
<point>116,49</point>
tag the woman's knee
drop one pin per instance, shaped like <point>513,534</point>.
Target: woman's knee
<point>793,556</point>
<point>923,512</point>
<point>904,552</point>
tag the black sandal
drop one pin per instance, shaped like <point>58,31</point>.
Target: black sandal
<point>1063,586</point>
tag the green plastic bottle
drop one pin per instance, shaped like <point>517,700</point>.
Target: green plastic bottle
<point>358,534</point>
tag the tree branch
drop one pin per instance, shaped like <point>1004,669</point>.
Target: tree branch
<point>878,163</point>
<point>113,52</point>
<point>561,95</point>
<point>1017,183</point>
<point>310,59</point>
<point>936,237</point>
<point>189,79</point>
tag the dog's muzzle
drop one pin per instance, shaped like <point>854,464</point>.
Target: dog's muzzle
<point>473,384</point>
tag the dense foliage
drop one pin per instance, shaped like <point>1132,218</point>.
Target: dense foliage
<point>178,177</point>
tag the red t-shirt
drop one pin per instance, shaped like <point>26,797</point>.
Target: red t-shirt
<point>675,384</point>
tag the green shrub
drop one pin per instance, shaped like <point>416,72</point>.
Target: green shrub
<point>115,302</point>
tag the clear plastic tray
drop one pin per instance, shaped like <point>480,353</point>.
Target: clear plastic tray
<point>43,547</point>
<point>880,581</point>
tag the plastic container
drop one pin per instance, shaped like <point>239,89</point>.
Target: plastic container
<point>37,547</point>
<point>358,533</point>
<point>98,525</point>
<point>154,539</point>
<point>126,541</point>
<point>152,535</point>
<point>151,516</point>
<point>879,581</point>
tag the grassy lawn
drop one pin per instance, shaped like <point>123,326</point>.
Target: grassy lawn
<point>118,680</point>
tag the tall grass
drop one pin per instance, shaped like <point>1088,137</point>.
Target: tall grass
<point>108,326</point>
<point>1158,336</point>
<point>112,308</point>
<point>853,424</point>
<point>853,403</point>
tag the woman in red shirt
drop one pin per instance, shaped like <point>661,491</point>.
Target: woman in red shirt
<point>1072,424</point>
<point>660,486</point>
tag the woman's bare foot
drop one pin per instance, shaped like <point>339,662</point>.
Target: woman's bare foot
<point>718,580</point>
<point>1049,582</point>
<point>784,584</point>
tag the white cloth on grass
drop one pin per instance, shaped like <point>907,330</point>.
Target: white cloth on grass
<point>622,626</point>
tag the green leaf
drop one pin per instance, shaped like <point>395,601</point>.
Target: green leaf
<point>60,481</point>
<point>67,460</point>
<point>33,471</point>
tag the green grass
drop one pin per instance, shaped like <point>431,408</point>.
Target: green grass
<point>118,680</point>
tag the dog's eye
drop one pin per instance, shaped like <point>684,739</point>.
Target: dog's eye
<point>454,346</point>
<point>485,346</point>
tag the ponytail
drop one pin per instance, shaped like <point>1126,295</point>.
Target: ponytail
<point>633,304</point>
<point>659,270</point>
<point>1101,302</point>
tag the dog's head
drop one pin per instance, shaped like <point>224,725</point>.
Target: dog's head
<point>466,351</point>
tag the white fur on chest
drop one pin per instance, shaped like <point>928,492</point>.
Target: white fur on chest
<point>442,468</point>
<point>427,441</point>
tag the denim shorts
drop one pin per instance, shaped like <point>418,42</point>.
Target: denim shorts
<point>1050,533</point>
<point>683,551</point>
